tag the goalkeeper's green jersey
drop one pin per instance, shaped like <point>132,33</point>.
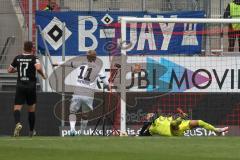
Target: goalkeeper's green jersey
<point>161,126</point>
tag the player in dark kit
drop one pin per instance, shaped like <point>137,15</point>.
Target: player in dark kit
<point>26,64</point>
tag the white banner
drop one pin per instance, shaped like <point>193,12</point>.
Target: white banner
<point>177,74</point>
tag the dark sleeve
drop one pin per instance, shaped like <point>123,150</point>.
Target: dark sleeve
<point>14,63</point>
<point>227,12</point>
<point>144,131</point>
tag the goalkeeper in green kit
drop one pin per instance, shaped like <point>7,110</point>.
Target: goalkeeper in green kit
<point>170,126</point>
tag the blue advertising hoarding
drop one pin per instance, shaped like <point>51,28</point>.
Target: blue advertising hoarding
<point>101,31</point>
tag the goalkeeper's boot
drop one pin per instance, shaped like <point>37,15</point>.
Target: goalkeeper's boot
<point>222,131</point>
<point>72,133</point>
<point>17,130</point>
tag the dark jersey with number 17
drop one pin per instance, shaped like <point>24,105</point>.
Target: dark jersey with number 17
<point>25,64</point>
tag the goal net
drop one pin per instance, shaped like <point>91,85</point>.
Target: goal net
<point>168,63</point>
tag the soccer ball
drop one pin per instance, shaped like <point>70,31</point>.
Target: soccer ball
<point>123,134</point>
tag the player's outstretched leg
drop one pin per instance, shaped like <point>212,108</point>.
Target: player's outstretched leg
<point>205,125</point>
<point>222,131</point>
<point>74,107</point>
<point>84,122</point>
<point>72,121</point>
<point>86,107</point>
<point>18,126</point>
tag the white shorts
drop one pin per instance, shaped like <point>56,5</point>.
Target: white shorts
<point>78,101</point>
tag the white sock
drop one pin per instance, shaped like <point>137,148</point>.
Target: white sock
<point>72,121</point>
<point>83,125</point>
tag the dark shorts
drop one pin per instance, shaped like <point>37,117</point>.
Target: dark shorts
<point>26,93</point>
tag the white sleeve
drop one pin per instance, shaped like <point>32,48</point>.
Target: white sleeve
<point>60,63</point>
<point>37,61</point>
<point>67,64</point>
<point>103,77</point>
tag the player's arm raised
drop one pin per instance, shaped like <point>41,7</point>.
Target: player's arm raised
<point>66,64</point>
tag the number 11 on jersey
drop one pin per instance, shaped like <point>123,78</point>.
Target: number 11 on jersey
<point>85,73</point>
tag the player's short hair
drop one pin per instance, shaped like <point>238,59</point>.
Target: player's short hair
<point>91,55</point>
<point>28,46</point>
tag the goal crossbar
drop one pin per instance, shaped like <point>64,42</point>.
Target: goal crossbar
<point>179,20</point>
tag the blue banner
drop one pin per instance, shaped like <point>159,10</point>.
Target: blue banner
<point>101,31</point>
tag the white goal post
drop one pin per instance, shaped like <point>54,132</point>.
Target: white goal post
<point>125,20</point>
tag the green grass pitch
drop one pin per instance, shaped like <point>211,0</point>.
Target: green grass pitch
<point>120,148</point>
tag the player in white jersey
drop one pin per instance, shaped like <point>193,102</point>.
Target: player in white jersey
<point>88,71</point>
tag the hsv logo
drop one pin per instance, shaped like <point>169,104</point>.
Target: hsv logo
<point>107,19</point>
<point>53,33</point>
